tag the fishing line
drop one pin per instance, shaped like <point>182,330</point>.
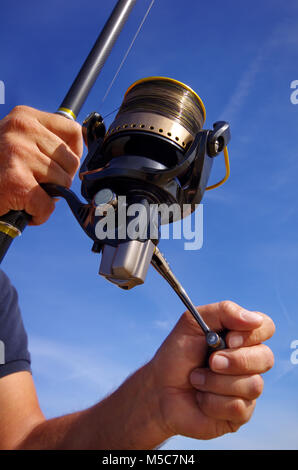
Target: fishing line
<point>128,51</point>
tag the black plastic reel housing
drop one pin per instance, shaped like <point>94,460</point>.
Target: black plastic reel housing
<point>146,164</point>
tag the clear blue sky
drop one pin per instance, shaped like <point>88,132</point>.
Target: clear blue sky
<point>86,335</point>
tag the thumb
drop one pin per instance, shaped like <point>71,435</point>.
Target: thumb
<point>231,316</point>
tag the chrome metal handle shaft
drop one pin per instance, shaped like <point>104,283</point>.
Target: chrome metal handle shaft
<point>159,262</point>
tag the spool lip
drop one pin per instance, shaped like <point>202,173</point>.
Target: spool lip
<point>186,87</point>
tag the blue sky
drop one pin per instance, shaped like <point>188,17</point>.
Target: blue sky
<point>86,335</point>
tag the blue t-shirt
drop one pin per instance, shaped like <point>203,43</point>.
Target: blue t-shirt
<point>14,354</point>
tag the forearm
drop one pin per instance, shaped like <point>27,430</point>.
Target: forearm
<point>127,419</point>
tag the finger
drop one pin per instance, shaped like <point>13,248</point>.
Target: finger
<point>69,131</point>
<point>53,146</point>
<point>38,204</point>
<point>229,315</point>
<point>30,197</point>
<point>248,387</point>
<point>236,339</point>
<point>252,360</point>
<point>219,407</point>
<point>46,170</point>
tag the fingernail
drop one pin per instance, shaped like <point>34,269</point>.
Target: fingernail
<point>220,362</point>
<point>251,316</point>
<point>198,378</point>
<point>235,341</point>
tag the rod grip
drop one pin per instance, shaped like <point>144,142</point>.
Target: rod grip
<point>12,224</point>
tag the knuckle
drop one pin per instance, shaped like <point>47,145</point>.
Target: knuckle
<point>239,410</point>
<point>227,306</point>
<point>20,108</point>
<point>17,121</point>
<point>269,357</point>
<point>77,129</point>
<point>256,386</point>
<point>78,140</point>
<point>255,337</point>
<point>75,162</point>
<point>72,159</point>
<point>243,361</point>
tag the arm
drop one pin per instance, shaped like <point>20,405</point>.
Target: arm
<point>161,399</point>
<point>165,397</point>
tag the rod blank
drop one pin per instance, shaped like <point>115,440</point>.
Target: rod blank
<point>95,61</point>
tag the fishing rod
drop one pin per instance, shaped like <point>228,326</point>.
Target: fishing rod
<point>154,154</point>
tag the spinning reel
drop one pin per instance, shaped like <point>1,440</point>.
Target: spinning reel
<point>155,153</point>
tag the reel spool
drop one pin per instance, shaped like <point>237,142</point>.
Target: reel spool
<point>155,152</point>
<point>161,107</point>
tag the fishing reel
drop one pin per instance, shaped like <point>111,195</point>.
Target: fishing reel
<point>155,153</point>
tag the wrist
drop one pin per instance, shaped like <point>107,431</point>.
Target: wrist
<point>135,409</point>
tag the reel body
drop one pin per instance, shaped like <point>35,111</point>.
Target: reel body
<point>155,153</point>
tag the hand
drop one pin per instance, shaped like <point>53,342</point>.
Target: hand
<point>161,399</point>
<point>36,147</point>
<point>206,403</point>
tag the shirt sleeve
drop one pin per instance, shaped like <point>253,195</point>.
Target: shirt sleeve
<point>14,354</point>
